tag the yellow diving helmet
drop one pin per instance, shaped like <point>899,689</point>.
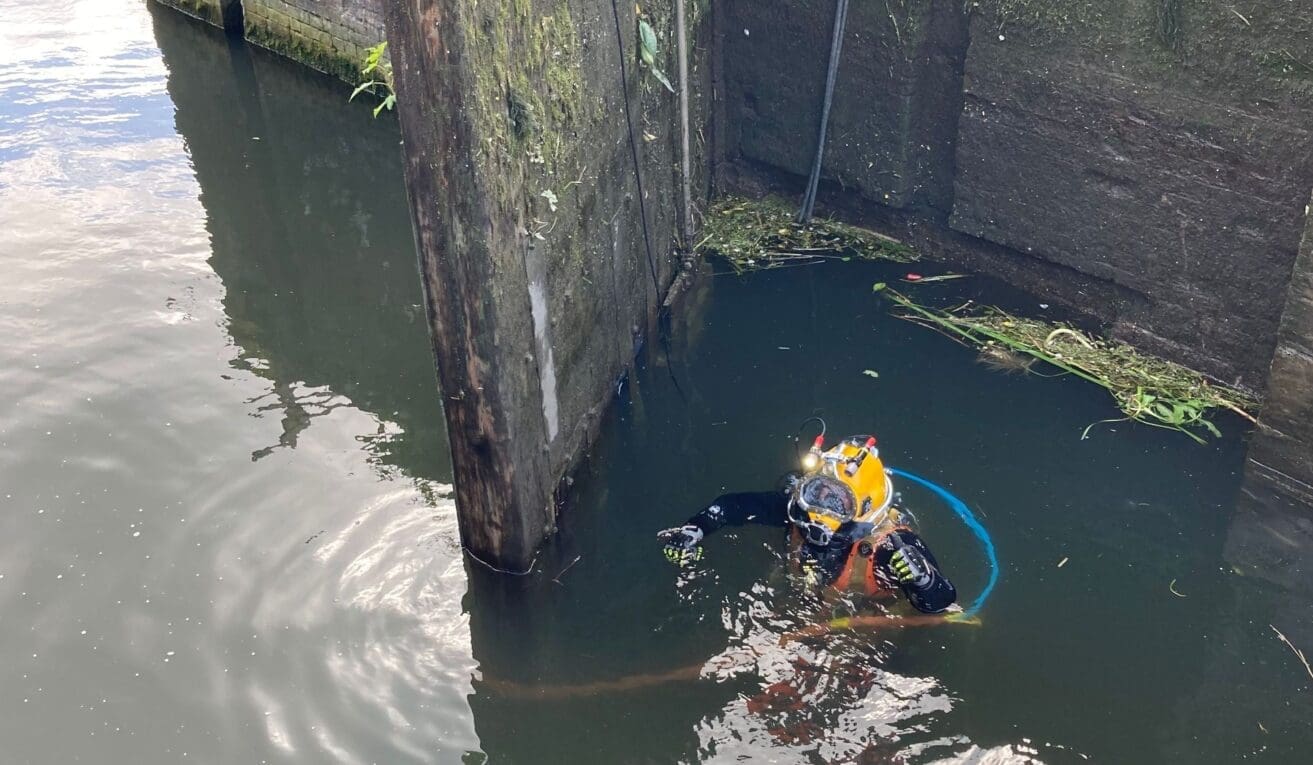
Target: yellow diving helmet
<point>846,484</point>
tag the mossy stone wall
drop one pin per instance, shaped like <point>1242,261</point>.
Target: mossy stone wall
<point>1158,146</point>
<point>1145,161</point>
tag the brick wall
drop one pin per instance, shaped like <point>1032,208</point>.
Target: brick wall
<point>329,35</point>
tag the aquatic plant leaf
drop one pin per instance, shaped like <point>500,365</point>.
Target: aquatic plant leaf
<point>374,57</point>
<point>647,42</point>
<point>374,62</point>
<point>387,104</point>
<point>647,52</point>
<point>362,87</point>
<point>661,78</point>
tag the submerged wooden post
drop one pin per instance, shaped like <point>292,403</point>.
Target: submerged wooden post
<point>472,265</point>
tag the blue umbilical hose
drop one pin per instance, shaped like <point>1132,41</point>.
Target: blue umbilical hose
<point>986,542</point>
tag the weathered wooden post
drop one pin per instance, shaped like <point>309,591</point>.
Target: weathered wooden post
<point>472,266</point>
<point>540,276</point>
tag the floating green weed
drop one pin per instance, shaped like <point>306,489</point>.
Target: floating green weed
<point>762,233</point>
<point>1148,390</point>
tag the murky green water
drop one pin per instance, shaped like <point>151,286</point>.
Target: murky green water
<point>226,532</point>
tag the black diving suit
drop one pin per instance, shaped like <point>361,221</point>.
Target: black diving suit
<point>857,554</point>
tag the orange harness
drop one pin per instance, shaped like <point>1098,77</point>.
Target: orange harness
<point>870,583</point>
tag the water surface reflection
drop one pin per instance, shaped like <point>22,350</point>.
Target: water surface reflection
<point>227,532</point>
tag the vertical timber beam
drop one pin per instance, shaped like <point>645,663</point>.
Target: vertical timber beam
<point>469,233</point>
<point>1282,448</point>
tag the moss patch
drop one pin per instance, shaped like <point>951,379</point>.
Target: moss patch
<point>306,50</point>
<point>763,233</point>
<point>529,90</point>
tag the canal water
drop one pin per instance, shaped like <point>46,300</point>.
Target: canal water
<point>226,525</point>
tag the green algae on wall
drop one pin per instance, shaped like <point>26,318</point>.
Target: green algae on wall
<point>528,81</point>
<point>331,42</point>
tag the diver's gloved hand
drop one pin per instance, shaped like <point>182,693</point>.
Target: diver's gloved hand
<point>681,544</point>
<point>910,566</point>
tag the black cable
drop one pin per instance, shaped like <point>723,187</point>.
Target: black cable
<point>836,46</point>
<point>642,206</point>
<point>633,148</point>
<point>797,434</point>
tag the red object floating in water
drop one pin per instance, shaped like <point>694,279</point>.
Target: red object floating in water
<point>913,277</point>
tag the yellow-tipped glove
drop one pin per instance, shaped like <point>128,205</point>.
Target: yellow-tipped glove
<point>910,566</point>
<point>680,545</point>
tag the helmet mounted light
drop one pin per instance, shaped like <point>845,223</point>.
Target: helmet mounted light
<point>845,487</point>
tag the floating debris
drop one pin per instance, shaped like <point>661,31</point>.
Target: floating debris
<point>762,233</point>
<point>1171,586</point>
<point>1148,390</point>
<point>1298,653</point>
<point>1004,360</point>
<point>919,279</point>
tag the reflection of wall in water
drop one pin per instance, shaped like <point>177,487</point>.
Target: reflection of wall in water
<point>310,235</point>
<point>1268,554</point>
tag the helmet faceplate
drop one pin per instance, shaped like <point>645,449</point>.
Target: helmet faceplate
<point>827,497</point>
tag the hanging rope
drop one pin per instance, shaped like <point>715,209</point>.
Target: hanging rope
<point>633,148</point>
<point>836,46</point>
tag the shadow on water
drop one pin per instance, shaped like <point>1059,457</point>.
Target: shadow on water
<point>607,654</point>
<point>311,237</point>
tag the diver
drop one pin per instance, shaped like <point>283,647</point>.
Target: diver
<point>847,527</point>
